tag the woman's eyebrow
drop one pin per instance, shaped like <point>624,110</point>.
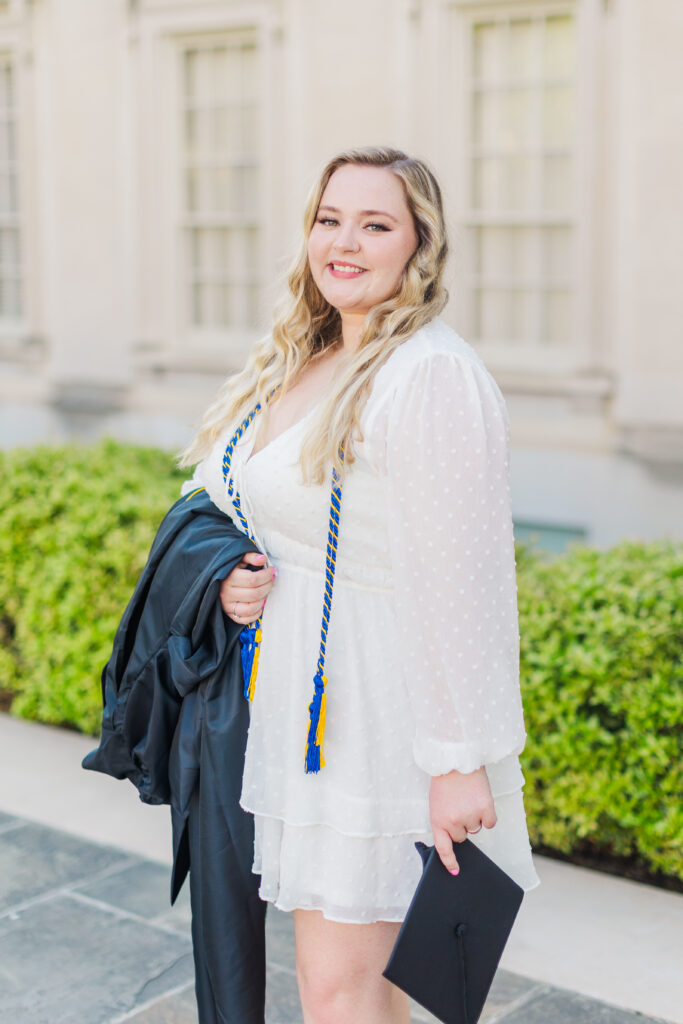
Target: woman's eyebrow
<point>365,213</point>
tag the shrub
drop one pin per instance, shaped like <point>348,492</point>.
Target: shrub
<point>601,643</point>
<point>602,682</point>
<point>75,528</point>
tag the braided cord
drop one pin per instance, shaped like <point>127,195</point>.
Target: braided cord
<point>314,759</point>
<point>250,637</point>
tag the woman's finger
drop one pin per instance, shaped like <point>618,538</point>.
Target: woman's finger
<point>489,818</point>
<point>246,593</point>
<point>245,578</point>
<point>246,610</point>
<point>254,558</point>
<point>443,845</point>
<point>242,610</point>
<point>254,563</point>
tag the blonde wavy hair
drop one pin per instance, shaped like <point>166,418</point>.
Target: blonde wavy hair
<point>306,325</point>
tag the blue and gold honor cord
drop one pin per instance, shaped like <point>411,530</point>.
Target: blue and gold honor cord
<point>250,637</point>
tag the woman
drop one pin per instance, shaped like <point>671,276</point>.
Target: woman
<point>403,722</point>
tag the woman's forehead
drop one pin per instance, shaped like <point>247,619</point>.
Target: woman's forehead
<point>354,188</point>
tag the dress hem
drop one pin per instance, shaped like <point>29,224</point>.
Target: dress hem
<point>288,909</point>
<point>330,917</point>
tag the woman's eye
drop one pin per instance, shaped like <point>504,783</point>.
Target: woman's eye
<point>377,227</point>
<point>327,221</point>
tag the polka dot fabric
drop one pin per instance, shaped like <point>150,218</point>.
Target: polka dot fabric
<point>423,644</point>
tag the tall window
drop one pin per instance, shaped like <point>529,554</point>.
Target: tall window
<point>521,193</point>
<point>220,133</point>
<point>10,273</point>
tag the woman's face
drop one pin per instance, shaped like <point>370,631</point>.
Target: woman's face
<point>362,238</point>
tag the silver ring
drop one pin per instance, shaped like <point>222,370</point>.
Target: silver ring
<point>234,610</point>
<point>473,832</point>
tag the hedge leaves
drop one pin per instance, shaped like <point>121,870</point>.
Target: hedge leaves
<point>601,643</point>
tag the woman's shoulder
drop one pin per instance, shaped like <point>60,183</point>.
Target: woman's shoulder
<point>433,346</point>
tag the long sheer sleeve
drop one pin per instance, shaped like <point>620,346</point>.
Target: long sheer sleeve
<point>452,552</point>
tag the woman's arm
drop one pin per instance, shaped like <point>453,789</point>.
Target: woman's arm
<point>453,560</point>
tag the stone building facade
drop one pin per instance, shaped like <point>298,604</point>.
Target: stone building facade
<point>154,160</point>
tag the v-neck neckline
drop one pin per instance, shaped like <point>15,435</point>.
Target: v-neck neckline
<point>283,433</point>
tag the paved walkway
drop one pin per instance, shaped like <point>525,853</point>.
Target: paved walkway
<point>87,935</point>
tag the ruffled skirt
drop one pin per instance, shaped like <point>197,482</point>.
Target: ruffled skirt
<point>361,879</point>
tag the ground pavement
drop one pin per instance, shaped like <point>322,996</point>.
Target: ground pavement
<point>87,935</point>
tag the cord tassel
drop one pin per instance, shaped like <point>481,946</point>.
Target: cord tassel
<point>316,728</point>
<point>250,641</point>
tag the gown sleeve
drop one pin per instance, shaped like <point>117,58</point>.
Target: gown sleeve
<point>453,559</point>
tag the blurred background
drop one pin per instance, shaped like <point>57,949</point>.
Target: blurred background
<point>155,157</point>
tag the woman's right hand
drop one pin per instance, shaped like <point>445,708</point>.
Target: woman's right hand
<point>244,591</point>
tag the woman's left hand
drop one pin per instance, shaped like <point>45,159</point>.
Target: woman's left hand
<point>459,804</point>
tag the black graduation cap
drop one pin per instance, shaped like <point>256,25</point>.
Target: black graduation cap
<point>454,934</point>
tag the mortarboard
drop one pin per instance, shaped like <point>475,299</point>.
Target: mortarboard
<point>454,933</point>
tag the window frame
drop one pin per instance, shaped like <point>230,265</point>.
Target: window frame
<point>580,353</point>
<point>214,219</point>
<point>167,341</point>
<point>12,219</point>
<point>20,337</point>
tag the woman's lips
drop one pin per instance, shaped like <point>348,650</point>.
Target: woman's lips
<point>345,270</point>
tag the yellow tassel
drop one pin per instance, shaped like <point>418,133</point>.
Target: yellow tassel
<point>320,731</point>
<point>254,665</point>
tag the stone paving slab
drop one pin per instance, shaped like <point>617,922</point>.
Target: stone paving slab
<point>66,960</point>
<point>88,936</point>
<point>556,1006</point>
<point>35,859</point>
<point>142,888</point>
<point>507,990</point>
<point>179,1008</point>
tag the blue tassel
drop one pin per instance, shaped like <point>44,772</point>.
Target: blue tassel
<point>249,648</point>
<point>314,745</point>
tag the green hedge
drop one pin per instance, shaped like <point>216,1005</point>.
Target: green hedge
<point>75,528</point>
<point>601,634</point>
<point>602,682</point>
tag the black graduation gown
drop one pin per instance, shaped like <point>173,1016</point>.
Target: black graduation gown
<point>175,723</point>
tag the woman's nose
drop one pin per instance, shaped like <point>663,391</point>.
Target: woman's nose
<point>346,240</point>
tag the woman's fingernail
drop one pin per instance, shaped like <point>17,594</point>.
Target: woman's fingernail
<point>455,871</point>
<point>274,572</point>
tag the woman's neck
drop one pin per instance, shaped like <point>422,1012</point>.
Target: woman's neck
<point>353,325</point>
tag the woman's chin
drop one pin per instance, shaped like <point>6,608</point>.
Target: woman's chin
<point>347,304</point>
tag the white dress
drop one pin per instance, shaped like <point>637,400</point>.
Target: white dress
<point>423,646</point>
